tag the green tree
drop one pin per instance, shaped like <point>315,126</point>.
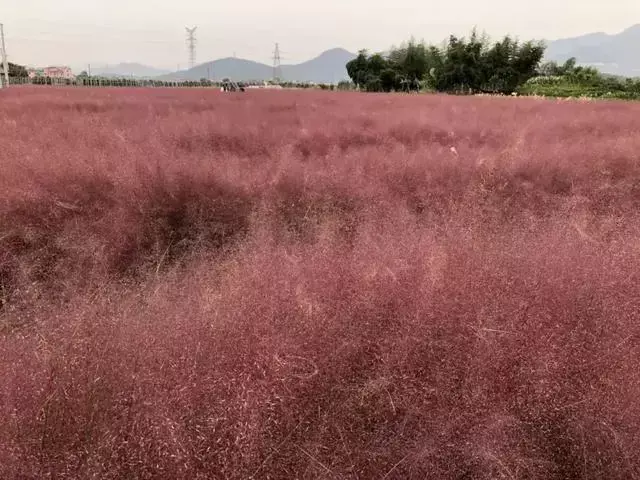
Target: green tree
<point>498,71</point>
<point>525,62</point>
<point>358,68</point>
<point>568,66</point>
<point>415,63</point>
<point>460,65</point>
<point>390,80</point>
<point>17,71</point>
<point>454,76</point>
<point>373,83</point>
<point>376,64</point>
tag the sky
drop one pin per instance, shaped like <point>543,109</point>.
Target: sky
<point>152,32</point>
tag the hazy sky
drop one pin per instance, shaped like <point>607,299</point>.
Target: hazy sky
<point>76,32</point>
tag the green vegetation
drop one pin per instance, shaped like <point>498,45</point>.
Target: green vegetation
<point>571,81</point>
<point>462,65</point>
<point>17,71</point>
<point>475,65</point>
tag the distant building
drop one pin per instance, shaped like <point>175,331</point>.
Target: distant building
<point>59,72</point>
<point>52,72</point>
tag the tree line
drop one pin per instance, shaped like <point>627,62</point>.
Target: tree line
<point>15,70</point>
<point>460,65</point>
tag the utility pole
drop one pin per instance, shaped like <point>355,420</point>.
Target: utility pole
<point>277,68</point>
<point>191,45</point>
<point>5,61</point>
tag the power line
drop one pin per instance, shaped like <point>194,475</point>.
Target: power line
<point>191,44</point>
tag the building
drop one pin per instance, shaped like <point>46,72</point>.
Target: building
<point>52,72</point>
<point>59,72</point>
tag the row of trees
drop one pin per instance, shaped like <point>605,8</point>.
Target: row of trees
<point>15,70</point>
<point>460,65</point>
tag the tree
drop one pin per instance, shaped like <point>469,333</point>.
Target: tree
<point>498,71</point>
<point>415,64</point>
<point>460,65</point>
<point>454,75</point>
<point>373,84</point>
<point>358,68</point>
<point>526,61</point>
<point>390,80</point>
<point>376,64</point>
<point>17,71</point>
<point>568,67</point>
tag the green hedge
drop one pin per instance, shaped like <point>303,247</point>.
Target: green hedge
<point>568,90</point>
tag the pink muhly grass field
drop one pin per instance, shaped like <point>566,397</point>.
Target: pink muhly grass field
<point>291,284</point>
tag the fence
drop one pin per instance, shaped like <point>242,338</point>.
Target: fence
<point>107,82</point>
<point>149,83</point>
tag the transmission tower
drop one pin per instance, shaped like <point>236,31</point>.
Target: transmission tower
<point>277,68</point>
<point>191,45</point>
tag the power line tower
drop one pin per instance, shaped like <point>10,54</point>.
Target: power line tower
<point>191,45</point>
<point>277,67</point>
<point>5,61</point>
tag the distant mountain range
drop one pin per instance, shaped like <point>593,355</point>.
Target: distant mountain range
<point>136,70</point>
<point>328,67</point>
<point>617,54</point>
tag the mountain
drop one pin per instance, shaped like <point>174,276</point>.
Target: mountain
<point>328,67</point>
<point>615,54</point>
<point>233,68</point>
<point>128,70</point>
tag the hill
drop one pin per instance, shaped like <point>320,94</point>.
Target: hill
<point>328,67</point>
<point>615,54</point>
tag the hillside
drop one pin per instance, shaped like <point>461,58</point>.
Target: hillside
<point>328,67</point>
<point>616,54</point>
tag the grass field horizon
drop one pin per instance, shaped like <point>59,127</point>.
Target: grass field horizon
<point>295,284</point>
